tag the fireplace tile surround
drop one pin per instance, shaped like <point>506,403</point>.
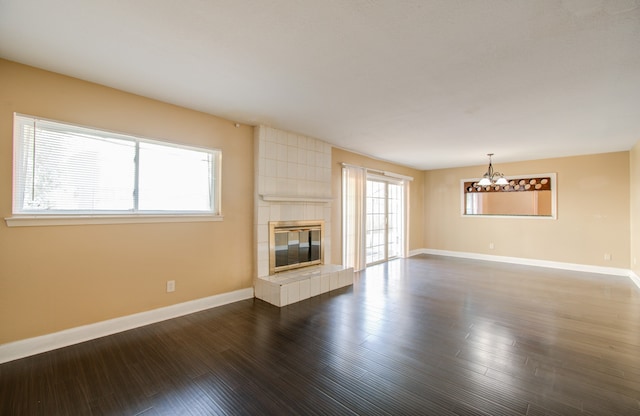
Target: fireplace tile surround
<point>293,183</point>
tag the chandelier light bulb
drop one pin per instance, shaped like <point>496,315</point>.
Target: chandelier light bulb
<point>491,177</point>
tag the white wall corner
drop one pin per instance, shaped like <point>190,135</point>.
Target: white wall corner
<point>634,278</point>
<point>31,346</point>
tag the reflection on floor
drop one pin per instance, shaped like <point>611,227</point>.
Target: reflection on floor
<point>426,335</point>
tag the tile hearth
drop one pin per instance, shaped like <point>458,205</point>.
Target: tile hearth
<point>285,288</point>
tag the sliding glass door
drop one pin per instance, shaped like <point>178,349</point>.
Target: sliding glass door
<point>384,219</point>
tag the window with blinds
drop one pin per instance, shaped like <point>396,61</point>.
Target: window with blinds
<point>61,168</point>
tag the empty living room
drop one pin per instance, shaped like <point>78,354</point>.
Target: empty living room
<point>351,208</point>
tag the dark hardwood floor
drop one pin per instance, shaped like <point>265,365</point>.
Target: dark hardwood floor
<point>427,335</point>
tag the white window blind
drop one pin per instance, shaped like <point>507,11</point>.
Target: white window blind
<point>62,169</point>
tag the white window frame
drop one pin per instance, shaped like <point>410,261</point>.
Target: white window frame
<point>43,218</point>
<point>554,199</point>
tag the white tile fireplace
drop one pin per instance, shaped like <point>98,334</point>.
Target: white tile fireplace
<point>293,186</point>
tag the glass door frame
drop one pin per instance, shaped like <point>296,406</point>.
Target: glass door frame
<point>371,220</point>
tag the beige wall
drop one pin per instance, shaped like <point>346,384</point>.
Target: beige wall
<point>416,197</point>
<point>635,208</point>
<point>593,213</point>
<point>58,277</point>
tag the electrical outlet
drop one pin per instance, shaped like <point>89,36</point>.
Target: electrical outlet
<point>171,286</point>
<point>607,257</point>
<point>491,246</point>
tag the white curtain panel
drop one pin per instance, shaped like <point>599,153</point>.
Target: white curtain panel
<point>353,217</point>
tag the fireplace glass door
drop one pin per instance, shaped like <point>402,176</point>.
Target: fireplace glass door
<point>298,246</point>
<point>295,246</point>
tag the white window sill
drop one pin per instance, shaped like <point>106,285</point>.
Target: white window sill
<point>52,220</point>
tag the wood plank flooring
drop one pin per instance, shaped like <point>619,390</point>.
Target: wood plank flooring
<point>427,335</point>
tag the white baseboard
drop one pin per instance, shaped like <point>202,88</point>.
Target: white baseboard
<point>31,346</point>
<point>614,271</point>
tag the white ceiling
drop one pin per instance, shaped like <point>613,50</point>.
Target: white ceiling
<point>423,83</point>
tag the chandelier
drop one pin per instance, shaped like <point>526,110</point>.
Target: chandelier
<point>491,177</point>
